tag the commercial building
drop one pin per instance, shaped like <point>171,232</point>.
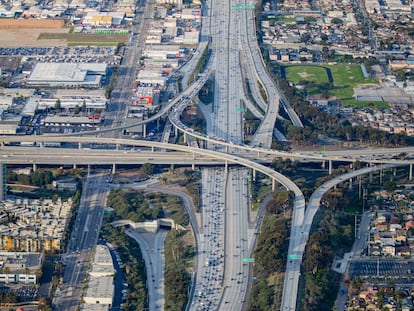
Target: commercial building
<point>20,267</point>
<point>159,51</point>
<point>67,121</point>
<point>105,19</point>
<point>135,115</point>
<point>72,75</point>
<point>146,95</point>
<point>176,2</point>
<point>100,289</point>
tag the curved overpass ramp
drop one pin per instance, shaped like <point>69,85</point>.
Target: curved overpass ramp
<point>299,235</point>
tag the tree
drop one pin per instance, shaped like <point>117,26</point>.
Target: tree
<point>58,105</point>
<point>76,110</point>
<point>147,168</point>
<point>83,109</point>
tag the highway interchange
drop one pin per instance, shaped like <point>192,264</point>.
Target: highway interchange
<point>227,232</point>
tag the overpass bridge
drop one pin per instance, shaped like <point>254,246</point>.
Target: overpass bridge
<point>251,155</point>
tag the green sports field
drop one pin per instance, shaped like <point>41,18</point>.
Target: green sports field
<point>345,78</point>
<point>297,74</point>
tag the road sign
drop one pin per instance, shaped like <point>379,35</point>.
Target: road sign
<point>239,109</point>
<point>247,176</point>
<point>293,256</point>
<point>237,6</point>
<point>247,259</point>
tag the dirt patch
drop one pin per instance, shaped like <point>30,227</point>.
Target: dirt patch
<point>304,74</point>
<point>10,23</point>
<point>29,37</point>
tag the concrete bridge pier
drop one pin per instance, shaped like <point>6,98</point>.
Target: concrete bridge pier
<point>152,149</point>
<point>350,183</point>
<point>74,166</point>
<point>80,145</point>
<point>273,184</point>
<point>175,131</point>
<point>370,174</point>
<point>144,130</point>
<point>330,167</point>
<point>41,144</point>
<point>410,174</point>
<point>117,146</point>
<point>323,164</point>
<point>171,170</point>
<point>226,166</point>
<point>193,166</point>
<point>34,167</point>
<point>113,168</point>
<point>185,138</point>
<point>254,175</point>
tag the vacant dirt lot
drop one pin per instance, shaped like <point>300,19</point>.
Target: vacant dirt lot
<point>25,32</point>
<point>10,23</point>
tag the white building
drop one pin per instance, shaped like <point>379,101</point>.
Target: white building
<point>176,2</point>
<point>67,74</point>
<point>100,291</point>
<point>158,51</point>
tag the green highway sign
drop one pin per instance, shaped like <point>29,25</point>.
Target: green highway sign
<point>247,259</point>
<point>293,256</point>
<point>239,109</point>
<point>247,176</point>
<point>237,6</point>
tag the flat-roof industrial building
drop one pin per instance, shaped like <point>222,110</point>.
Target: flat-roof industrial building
<point>67,75</point>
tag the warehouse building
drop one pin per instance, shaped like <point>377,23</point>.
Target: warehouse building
<point>100,289</point>
<point>73,75</point>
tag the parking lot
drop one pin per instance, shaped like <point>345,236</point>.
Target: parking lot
<point>83,54</point>
<point>23,293</point>
<point>381,267</point>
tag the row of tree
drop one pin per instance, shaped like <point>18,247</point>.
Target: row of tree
<point>176,276</point>
<point>334,235</point>
<point>270,255</point>
<point>37,178</point>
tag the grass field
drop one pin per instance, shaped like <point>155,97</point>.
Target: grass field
<point>282,18</point>
<point>345,77</point>
<point>296,74</point>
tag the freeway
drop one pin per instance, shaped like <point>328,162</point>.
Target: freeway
<point>210,264</point>
<point>299,235</point>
